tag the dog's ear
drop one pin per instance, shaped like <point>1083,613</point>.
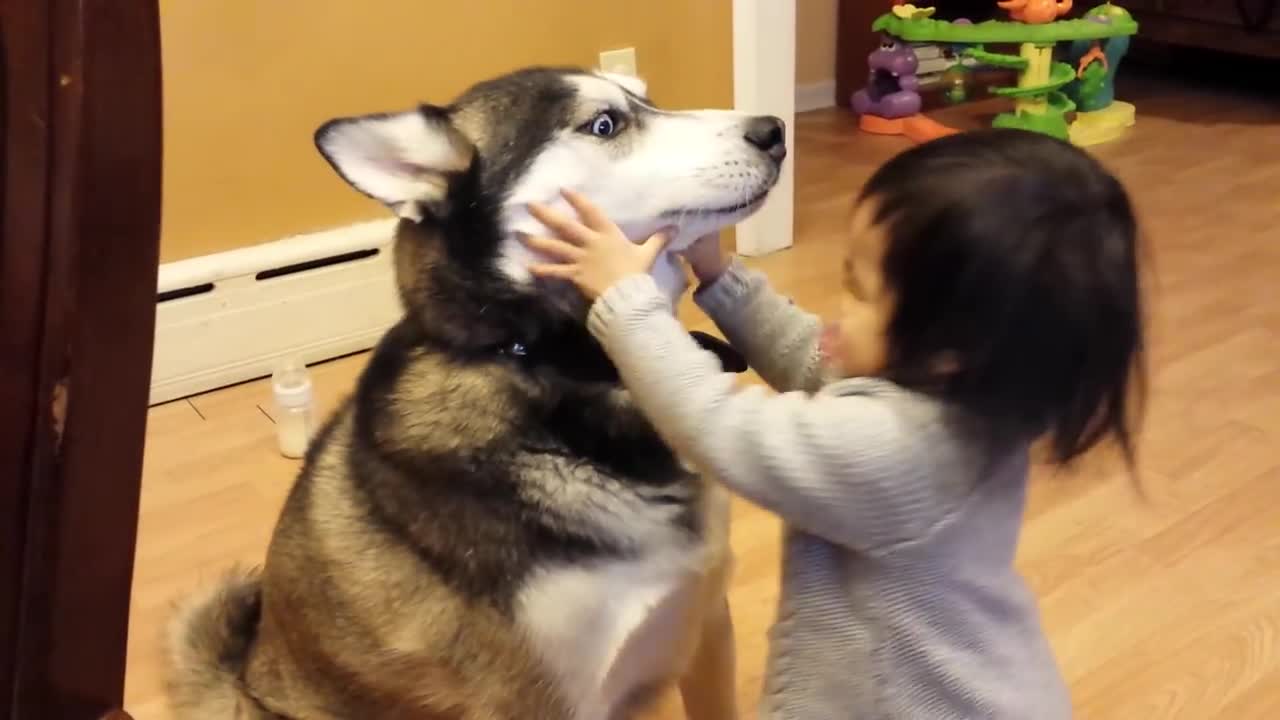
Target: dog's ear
<point>401,159</point>
<point>632,84</point>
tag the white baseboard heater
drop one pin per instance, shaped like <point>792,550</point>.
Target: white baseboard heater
<point>229,317</point>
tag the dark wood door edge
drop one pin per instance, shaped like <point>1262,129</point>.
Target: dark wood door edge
<point>91,370</point>
<point>24,29</point>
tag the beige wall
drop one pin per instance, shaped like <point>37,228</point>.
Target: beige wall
<point>816,40</point>
<point>248,81</point>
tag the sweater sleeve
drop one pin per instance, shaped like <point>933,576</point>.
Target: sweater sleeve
<point>843,468</point>
<point>778,339</point>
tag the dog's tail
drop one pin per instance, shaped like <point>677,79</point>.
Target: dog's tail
<point>208,644</point>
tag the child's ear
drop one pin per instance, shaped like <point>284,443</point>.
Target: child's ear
<point>947,364</point>
<point>403,160</point>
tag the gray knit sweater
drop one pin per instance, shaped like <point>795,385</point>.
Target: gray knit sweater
<point>899,597</point>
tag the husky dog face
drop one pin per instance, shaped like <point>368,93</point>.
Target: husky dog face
<point>523,137</point>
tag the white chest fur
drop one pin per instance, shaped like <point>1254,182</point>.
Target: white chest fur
<point>609,630</point>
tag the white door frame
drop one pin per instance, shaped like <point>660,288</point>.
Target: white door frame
<point>764,82</point>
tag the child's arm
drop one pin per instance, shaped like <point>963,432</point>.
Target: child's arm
<point>778,339</point>
<point>851,469</point>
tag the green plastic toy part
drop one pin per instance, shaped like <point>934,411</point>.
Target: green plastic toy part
<point>1051,122</point>
<point>1092,82</point>
<point>996,59</point>
<point>997,31</point>
<point>1060,74</point>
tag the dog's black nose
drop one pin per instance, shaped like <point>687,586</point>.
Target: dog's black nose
<point>769,134</point>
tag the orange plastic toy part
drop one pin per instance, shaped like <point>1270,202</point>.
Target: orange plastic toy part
<point>1095,53</point>
<point>916,128</point>
<point>1035,12</point>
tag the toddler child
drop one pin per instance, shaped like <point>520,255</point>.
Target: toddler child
<point>990,299</point>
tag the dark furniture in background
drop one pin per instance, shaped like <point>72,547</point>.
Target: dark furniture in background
<point>80,81</point>
<point>1243,27</point>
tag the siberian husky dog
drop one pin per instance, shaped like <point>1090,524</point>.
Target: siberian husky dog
<point>488,529</point>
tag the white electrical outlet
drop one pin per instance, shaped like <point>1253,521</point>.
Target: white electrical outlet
<point>621,61</point>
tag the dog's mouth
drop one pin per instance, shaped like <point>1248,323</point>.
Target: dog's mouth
<point>749,204</point>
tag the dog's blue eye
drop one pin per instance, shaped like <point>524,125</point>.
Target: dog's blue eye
<point>603,125</point>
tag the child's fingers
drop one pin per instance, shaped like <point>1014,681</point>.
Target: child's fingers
<point>654,245</point>
<point>564,272</point>
<point>555,248</point>
<point>591,214</point>
<point>564,226</point>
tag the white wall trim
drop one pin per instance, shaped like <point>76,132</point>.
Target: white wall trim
<point>238,329</point>
<point>816,96</point>
<point>764,82</point>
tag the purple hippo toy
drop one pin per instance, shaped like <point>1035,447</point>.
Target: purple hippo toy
<point>892,87</point>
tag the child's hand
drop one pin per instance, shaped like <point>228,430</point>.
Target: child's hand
<point>707,260</point>
<point>595,255</point>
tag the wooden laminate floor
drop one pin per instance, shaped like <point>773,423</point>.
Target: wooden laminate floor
<point>1166,606</point>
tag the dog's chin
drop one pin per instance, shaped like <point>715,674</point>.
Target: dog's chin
<point>562,297</point>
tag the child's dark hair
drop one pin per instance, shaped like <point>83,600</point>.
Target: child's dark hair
<point>1013,259</point>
